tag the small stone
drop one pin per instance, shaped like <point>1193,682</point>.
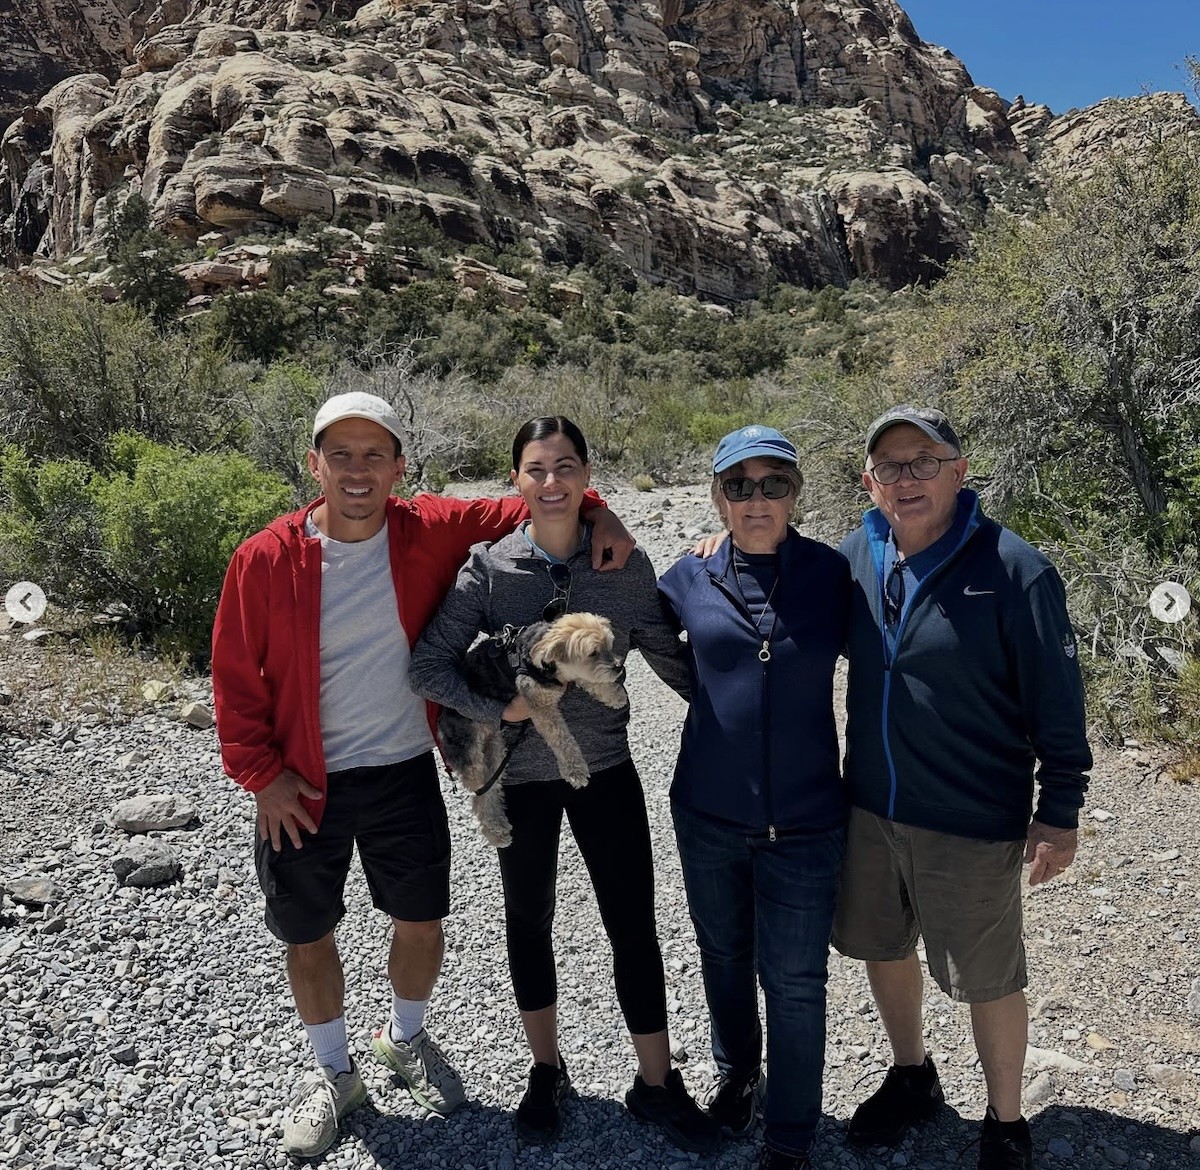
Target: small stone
<point>1167,1076</point>
<point>124,1054</point>
<point>1124,1080</point>
<point>55,925</point>
<point>1116,1155</point>
<point>1040,1090</point>
<point>1061,1148</point>
<point>1169,855</point>
<point>130,760</point>
<point>196,715</point>
<point>679,1052</point>
<point>1100,814</point>
<point>155,690</point>
<point>143,814</point>
<point>1038,1059</point>
<point>1098,1043</point>
<point>1194,1144</point>
<point>1194,998</point>
<point>1071,1034</point>
<point>36,890</point>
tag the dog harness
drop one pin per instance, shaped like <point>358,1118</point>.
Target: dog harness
<point>507,642</point>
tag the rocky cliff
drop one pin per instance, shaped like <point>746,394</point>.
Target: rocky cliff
<point>706,143</point>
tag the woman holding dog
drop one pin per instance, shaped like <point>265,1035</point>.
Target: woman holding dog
<point>541,573</point>
<point>757,797</point>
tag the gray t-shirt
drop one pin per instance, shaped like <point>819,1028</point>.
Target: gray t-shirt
<point>369,714</point>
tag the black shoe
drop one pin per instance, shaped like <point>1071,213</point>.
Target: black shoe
<point>771,1159</point>
<point>909,1094</point>
<point>670,1107</point>
<point>731,1103</point>
<point>538,1115</point>
<point>1005,1145</point>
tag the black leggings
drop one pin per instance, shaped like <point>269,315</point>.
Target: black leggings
<point>608,819</point>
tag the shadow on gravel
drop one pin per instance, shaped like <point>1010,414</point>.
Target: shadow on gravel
<point>1063,1136</point>
<point>1092,1133</point>
<point>404,1141</point>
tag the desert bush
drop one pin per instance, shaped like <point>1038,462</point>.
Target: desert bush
<point>153,535</point>
<point>74,371</point>
<point>1068,350</point>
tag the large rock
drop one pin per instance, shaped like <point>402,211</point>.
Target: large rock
<point>704,143</point>
<point>146,863</point>
<point>893,219</point>
<point>36,890</point>
<point>144,814</point>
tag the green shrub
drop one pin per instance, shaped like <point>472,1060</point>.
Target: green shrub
<point>153,536</point>
<point>74,371</point>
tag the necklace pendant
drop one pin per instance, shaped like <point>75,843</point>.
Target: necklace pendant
<point>764,655</point>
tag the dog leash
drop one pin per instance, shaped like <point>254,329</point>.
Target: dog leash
<point>504,762</point>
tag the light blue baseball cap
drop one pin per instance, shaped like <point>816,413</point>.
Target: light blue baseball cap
<point>753,442</point>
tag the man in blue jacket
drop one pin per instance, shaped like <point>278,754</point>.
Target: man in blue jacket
<point>964,681</point>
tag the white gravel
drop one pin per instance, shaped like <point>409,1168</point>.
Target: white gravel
<point>154,1027</point>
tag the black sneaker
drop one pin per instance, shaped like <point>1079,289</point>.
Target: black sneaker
<point>1005,1145</point>
<point>672,1109</point>
<point>771,1159</point>
<point>539,1114</point>
<point>731,1103</point>
<point>909,1094</point>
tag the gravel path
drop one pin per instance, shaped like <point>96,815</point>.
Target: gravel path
<point>154,1027</point>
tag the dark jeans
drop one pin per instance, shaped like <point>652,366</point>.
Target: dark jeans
<point>765,906</point>
<point>608,819</point>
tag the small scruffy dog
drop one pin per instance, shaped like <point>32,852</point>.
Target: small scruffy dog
<point>536,661</point>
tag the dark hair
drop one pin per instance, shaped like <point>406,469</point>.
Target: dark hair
<point>537,429</point>
<point>320,438</point>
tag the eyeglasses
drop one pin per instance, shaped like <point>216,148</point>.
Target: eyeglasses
<point>893,594</point>
<point>922,467</point>
<point>741,488</point>
<point>560,578</point>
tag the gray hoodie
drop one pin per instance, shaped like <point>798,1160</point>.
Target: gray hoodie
<point>507,583</point>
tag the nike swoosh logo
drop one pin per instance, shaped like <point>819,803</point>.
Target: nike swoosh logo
<point>969,592</point>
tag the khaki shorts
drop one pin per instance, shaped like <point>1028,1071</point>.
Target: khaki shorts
<point>962,896</point>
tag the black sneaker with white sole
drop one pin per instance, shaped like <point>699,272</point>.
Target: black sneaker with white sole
<point>731,1104</point>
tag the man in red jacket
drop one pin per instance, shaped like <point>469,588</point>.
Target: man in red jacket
<point>311,645</point>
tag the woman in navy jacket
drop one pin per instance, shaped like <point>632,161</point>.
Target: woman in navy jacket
<point>757,797</point>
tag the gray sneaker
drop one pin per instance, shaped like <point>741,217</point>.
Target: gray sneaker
<point>423,1067</point>
<point>310,1124</point>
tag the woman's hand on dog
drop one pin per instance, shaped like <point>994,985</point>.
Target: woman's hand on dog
<point>279,808</point>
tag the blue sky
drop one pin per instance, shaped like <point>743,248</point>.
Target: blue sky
<point>1066,52</point>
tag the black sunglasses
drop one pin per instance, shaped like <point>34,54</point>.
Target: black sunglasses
<point>741,488</point>
<point>893,594</point>
<point>560,578</point>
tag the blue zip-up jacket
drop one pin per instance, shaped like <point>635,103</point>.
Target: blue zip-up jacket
<point>984,685</point>
<point>759,745</point>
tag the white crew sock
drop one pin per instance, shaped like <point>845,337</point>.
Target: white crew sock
<point>329,1043</point>
<point>408,1017</point>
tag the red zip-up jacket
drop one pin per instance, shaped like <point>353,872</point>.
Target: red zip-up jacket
<point>266,666</point>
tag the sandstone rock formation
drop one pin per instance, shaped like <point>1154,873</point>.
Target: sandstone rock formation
<point>704,143</point>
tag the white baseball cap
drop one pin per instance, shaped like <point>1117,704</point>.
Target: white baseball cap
<point>358,404</point>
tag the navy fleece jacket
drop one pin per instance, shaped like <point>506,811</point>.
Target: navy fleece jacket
<point>983,686</point>
<point>759,746</point>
